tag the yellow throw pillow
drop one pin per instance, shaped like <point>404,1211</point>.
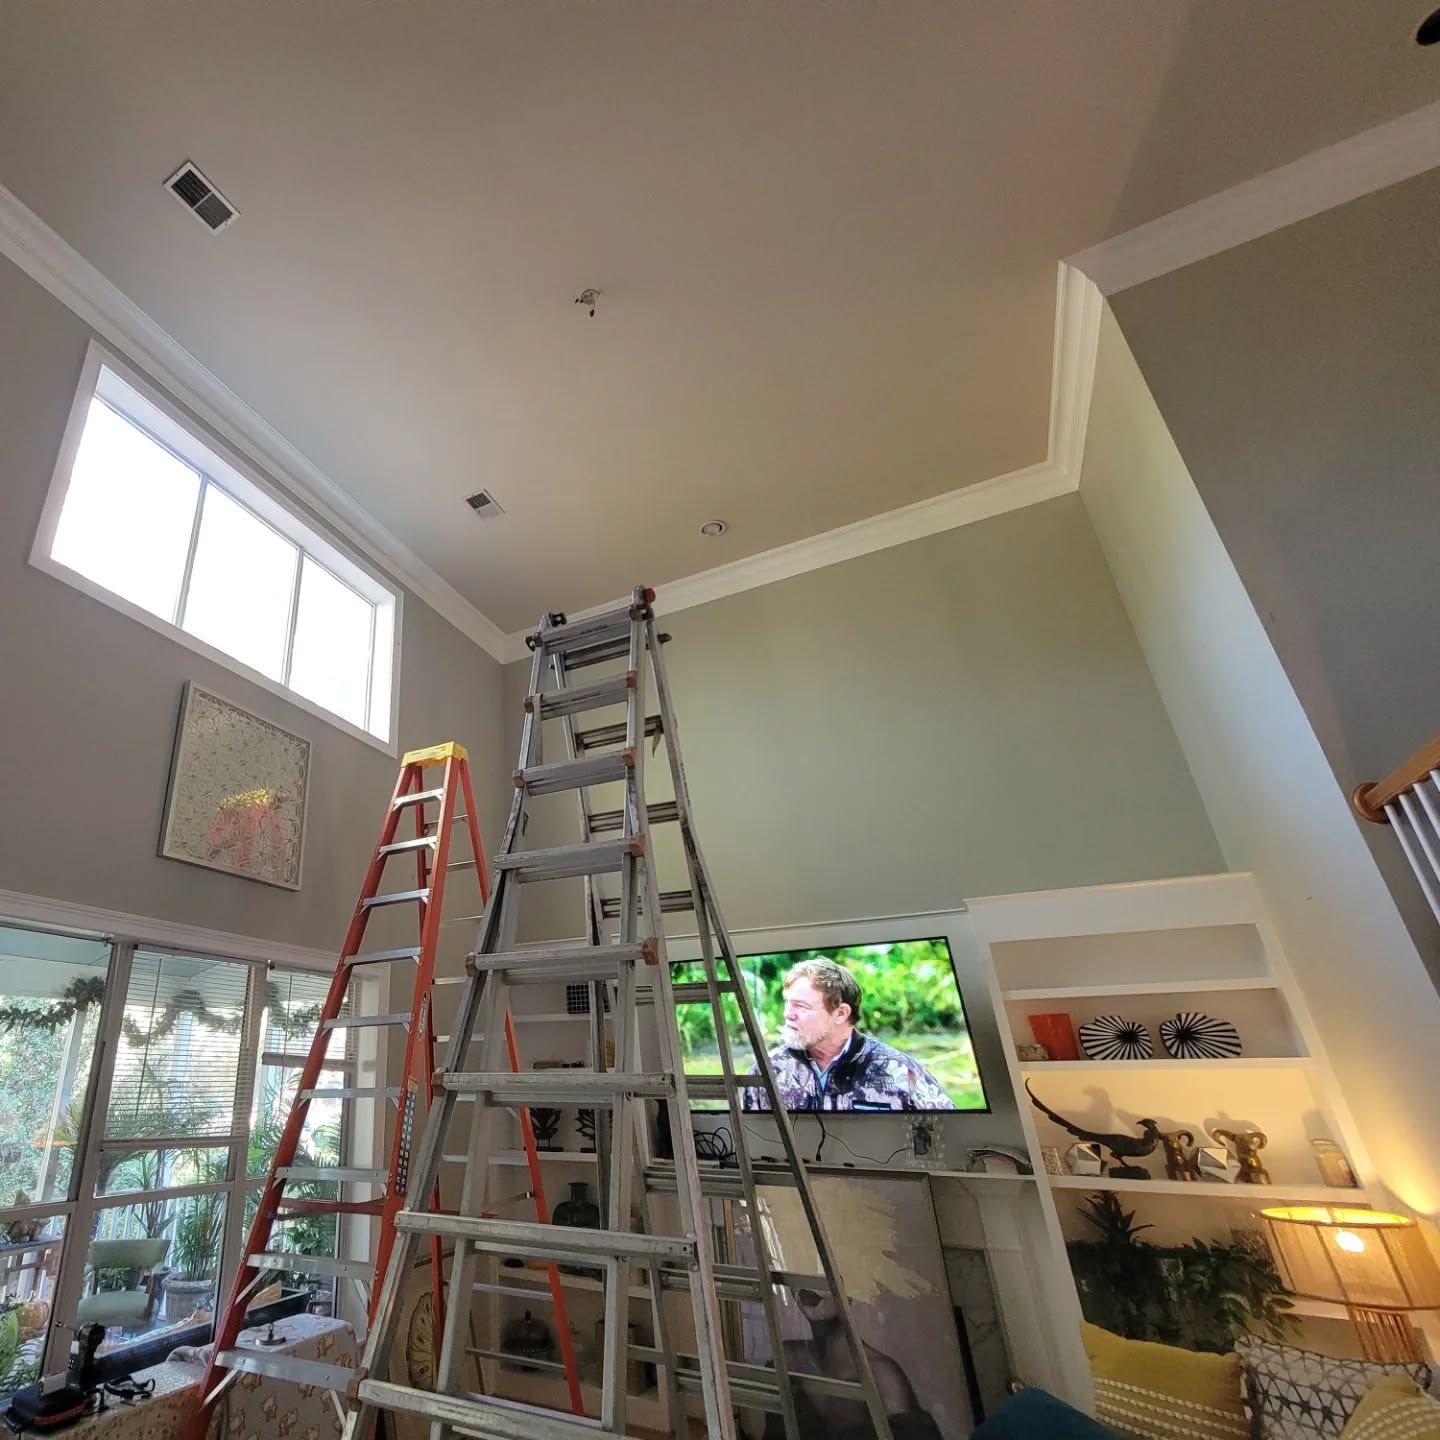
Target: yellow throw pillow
<point>1159,1392</point>
<point>1394,1410</point>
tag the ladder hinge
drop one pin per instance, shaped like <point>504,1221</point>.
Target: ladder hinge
<point>635,845</point>
<point>628,756</point>
<point>530,701</point>
<point>352,1390</point>
<point>650,950</point>
<point>632,679</point>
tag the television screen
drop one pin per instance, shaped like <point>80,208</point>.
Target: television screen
<point>865,1029</point>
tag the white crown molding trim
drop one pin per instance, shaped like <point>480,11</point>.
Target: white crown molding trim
<point>145,930</point>
<point>60,269</point>
<point>1078,306</point>
<point>1375,158</point>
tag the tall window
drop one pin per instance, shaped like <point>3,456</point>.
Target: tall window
<point>155,521</point>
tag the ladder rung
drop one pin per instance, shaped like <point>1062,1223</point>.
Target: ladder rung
<point>614,734</point>
<point>548,1242</point>
<point>570,962</point>
<point>396,897</point>
<point>751,1384</point>
<point>301,1205</point>
<point>418,797</point>
<point>421,842</point>
<point>666,812</point>
<point>672,902</point>
<point>739,1282</point>
<point>339,1173</point>
<point>593,630</point>
<point>529,1362</point>
<point>468,863</point>
<point>351,1092</point>
<point>284,1060</point>
<point>565,862</point>
<point>555,703</point>
<point>598,654</point>
<point>311,1264</point>
<point>718,1087</point>
<point>723,1182</point>
<point>287,1367</point>
<point>558,1087</point>
<point>573,774</point>
<point>379,957</point>
<point>690,992</point>
<point>482,1417</point>
<point>358,1022</point>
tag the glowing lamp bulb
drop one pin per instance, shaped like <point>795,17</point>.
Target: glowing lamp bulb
<point>1350,1242</point>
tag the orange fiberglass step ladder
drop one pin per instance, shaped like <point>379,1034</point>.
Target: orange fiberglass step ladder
<point>263,1257</point>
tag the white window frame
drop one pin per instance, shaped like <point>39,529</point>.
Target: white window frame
<point>144,405</point>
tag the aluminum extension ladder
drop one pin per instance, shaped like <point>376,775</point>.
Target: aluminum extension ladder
<point>629,969</point>
<point>436,811</point>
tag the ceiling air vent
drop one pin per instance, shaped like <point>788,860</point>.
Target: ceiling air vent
<point>201,198</point>
<point>484,504</point>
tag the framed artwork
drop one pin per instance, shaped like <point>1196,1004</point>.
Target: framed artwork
<point>883,1231</point>
<point>239,786</point>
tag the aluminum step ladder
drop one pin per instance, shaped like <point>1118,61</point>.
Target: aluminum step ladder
<point>628,968</point>
<point>434,810</point>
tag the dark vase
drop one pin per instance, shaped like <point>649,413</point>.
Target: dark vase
<point>581,1212</point>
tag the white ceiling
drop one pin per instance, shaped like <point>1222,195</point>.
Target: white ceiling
<point>825,231</point>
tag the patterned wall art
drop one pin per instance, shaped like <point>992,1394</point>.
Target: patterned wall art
<point>238,791</point>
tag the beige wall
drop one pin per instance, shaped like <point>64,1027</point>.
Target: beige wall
<point>968,714</point>
<point>1275,803</point>
<point>90,700</point>
<point>1300,377</point>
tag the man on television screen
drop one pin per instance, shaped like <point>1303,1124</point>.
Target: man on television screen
<point>825,1063</point>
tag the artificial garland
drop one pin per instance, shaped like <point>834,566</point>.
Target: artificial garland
<point>80,995</point>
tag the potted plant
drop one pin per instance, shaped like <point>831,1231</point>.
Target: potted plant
<point>199,1231</point>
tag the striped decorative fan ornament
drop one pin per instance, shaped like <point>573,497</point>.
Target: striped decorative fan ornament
<point>1193,1036</point>
<point>1113,1037</point>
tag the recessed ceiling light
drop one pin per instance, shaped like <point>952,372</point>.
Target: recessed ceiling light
<point>711,528</point>
<point>1429,31</point>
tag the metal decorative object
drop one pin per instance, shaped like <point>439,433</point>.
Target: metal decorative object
<point>1179,1155</point>
<point>238,791</point>
<point>545,1122</point>
<point>1246,1145</point>
<point>1113,1037</point>
<point>585,1124</point>
<point>1122,1148</point>
<point>1193,1036</point>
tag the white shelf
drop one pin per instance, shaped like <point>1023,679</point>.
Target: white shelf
<point>1145,987</point>
<point>1201,1188</point>
<point>1165,1064</point>
<point>983,1176</point>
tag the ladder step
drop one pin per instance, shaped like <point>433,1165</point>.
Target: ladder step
<point>565,862</point>
<point>573,774</point>
<point>593,630</point>
<point>484,1418</point>
<point>360,1022</point>
<point>739,1282</point>
<point>751,1384</point>
<point>398,847</point>
<point>379,957</point>
<point>598,654</point>
<point>284,1060</point>
<point>615,734</point>
<point>311,1264</point>
<point>340,1173</point>
<point>602,821</point>
<point>418,797</point>
<point>718,1087</point>
<point>559,1087</point>
<point>530,1240</point>
<point>691,992</point>
<point>287,1367</point>
<point>570,962</point>
<point>722,1182</point>
<point>396,897</point>
<point>302,1206</point>
<point>351,1092</point>
<point>551,705</point>
<point>672,902</point>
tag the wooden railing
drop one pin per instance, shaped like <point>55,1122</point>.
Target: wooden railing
<point>1408,800</point>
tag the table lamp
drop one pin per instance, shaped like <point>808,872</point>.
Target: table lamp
<point>1375,1264</point>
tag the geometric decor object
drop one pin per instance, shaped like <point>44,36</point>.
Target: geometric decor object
<point>1112,1037</point>
<point>1193,1036</point>
<point>238,791</point>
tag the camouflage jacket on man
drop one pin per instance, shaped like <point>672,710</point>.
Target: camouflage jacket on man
<point>866,1075</point>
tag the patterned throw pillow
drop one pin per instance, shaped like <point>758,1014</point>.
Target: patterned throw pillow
<point>1299,1395</point>
<point>1160,1392</point>
<point>1394,1410</point>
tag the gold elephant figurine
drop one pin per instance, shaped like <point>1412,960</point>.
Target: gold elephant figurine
<point>1247,1145</point>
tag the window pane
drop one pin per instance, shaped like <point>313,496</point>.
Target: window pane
<point>180,1049</point>
<point>331,663</point>
<point>128,513</point>
<point>240,585</point>
<point>51,988</point>
<point>28,1268</point>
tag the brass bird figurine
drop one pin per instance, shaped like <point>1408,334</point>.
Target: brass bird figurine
<point>1121,1147</point>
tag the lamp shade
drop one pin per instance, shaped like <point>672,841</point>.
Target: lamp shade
<point>1358,1258</point>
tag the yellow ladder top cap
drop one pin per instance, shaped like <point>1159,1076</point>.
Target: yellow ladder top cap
<point>436,754</point>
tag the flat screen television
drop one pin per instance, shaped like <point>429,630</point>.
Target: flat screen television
<point>903,1044</point>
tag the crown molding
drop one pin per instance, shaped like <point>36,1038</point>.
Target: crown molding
<point>67,915</point>
<point>60,269</point>
<point>1078,306</point>
<point>1383,155</point>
